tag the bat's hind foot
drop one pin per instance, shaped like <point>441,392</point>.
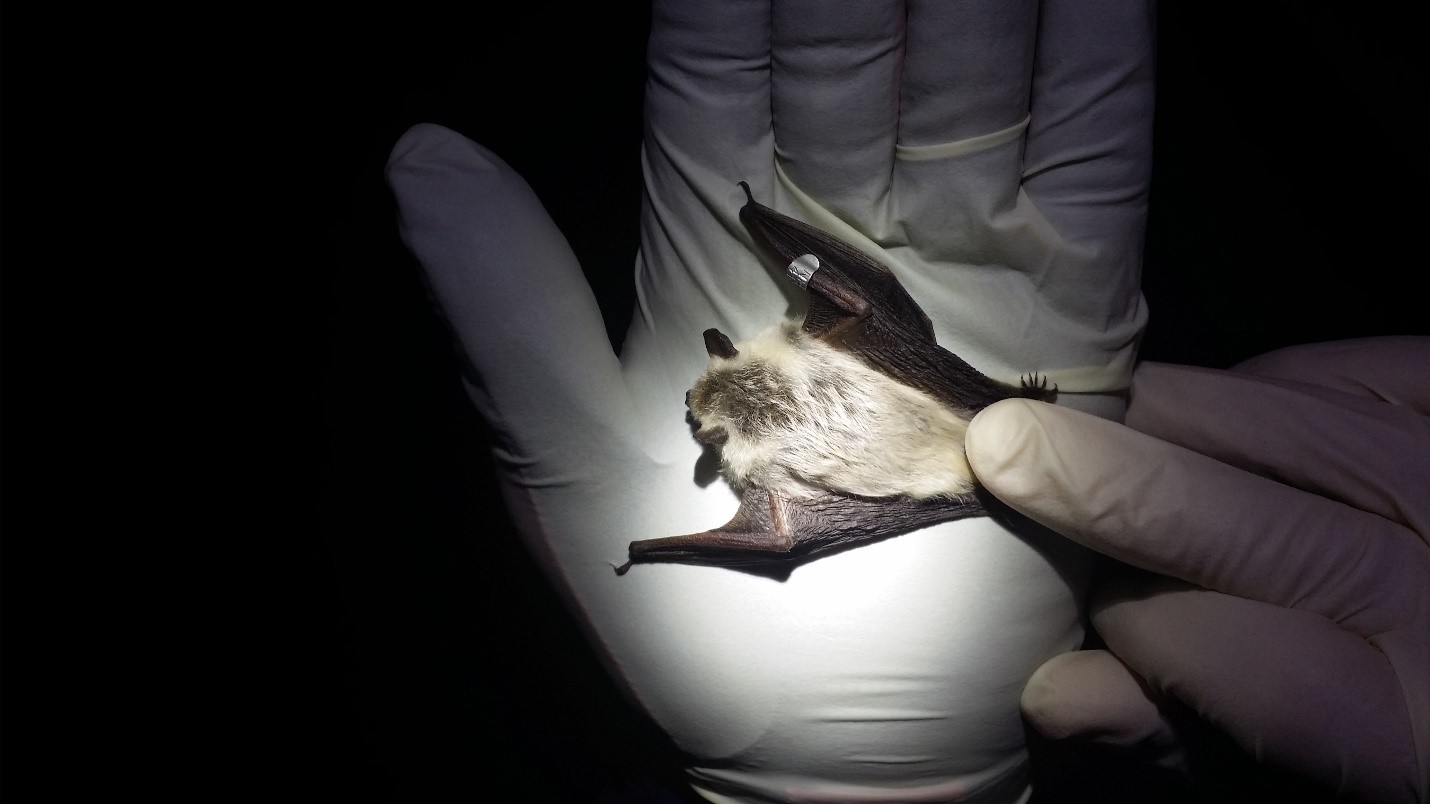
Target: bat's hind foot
<point>1035,386</point>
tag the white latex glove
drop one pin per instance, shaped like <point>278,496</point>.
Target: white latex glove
<point>890,672</point>
<point>1286,507</point>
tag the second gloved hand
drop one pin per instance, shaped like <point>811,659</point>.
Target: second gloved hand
<point>1284,508</point>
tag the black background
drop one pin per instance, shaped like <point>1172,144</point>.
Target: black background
<point>1287,207</point>
<point>394,642</point>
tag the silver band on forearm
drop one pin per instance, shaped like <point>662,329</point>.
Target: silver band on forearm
<point>802,268</point>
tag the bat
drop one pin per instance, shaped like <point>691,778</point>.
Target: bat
<point>838,430</point>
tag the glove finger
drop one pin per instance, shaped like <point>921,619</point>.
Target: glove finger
<point>1089,695</point>
<point>835,78</point>
<point>540,367</point>
<point>1389,369</point>
<point>708,96</point>
<point>963,116</point>
<point>964,180</point>
<point>1175,512</point>
<point>1367,454</point>
<point>1087,167</point>
<point>1088,160</point>
<point>1290,687</point>
<point>967,70</point>
<point>708,126</point>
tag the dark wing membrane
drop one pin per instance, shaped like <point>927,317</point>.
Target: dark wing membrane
<point>789,239</point>
<point>858,303</point>
<point>932,369</point>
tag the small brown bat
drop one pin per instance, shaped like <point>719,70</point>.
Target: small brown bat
<point>839,430</point>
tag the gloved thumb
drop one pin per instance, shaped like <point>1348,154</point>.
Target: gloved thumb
<point>538,364</point>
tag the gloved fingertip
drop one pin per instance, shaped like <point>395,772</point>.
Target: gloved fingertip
<point>427,144</point>
<point>1043,701</point>
<point>1001,442</point>
<point>416,142</point>
<point>1090,694</point>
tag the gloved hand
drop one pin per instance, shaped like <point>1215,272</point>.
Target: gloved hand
<point>1285,509</point>
<point>997,157</point>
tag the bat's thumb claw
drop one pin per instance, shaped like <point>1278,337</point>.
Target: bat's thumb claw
<point>624,568</point>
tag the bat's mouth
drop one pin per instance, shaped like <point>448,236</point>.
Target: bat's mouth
<point>711,436</point>
<point>714,436</point>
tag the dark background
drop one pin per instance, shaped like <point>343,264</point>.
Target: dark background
<point>429,663</point>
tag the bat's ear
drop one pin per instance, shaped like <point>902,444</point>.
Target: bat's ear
<point>845,285</point>
<point>717,344</point>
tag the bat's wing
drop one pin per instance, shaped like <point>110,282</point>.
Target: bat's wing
<point>845,285</point>
<point>771,528</point>
<point>858,303</point>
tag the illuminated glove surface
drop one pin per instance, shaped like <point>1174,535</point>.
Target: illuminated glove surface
<point>996,156</point>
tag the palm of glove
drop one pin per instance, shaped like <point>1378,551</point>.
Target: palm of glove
<point>908,138</point>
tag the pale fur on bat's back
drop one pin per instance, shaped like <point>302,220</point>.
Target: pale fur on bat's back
<point>801,416</point>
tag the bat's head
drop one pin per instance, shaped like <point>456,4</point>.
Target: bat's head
<point>792,413</point>
<point>741,393</point>
<point>856,398</point>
